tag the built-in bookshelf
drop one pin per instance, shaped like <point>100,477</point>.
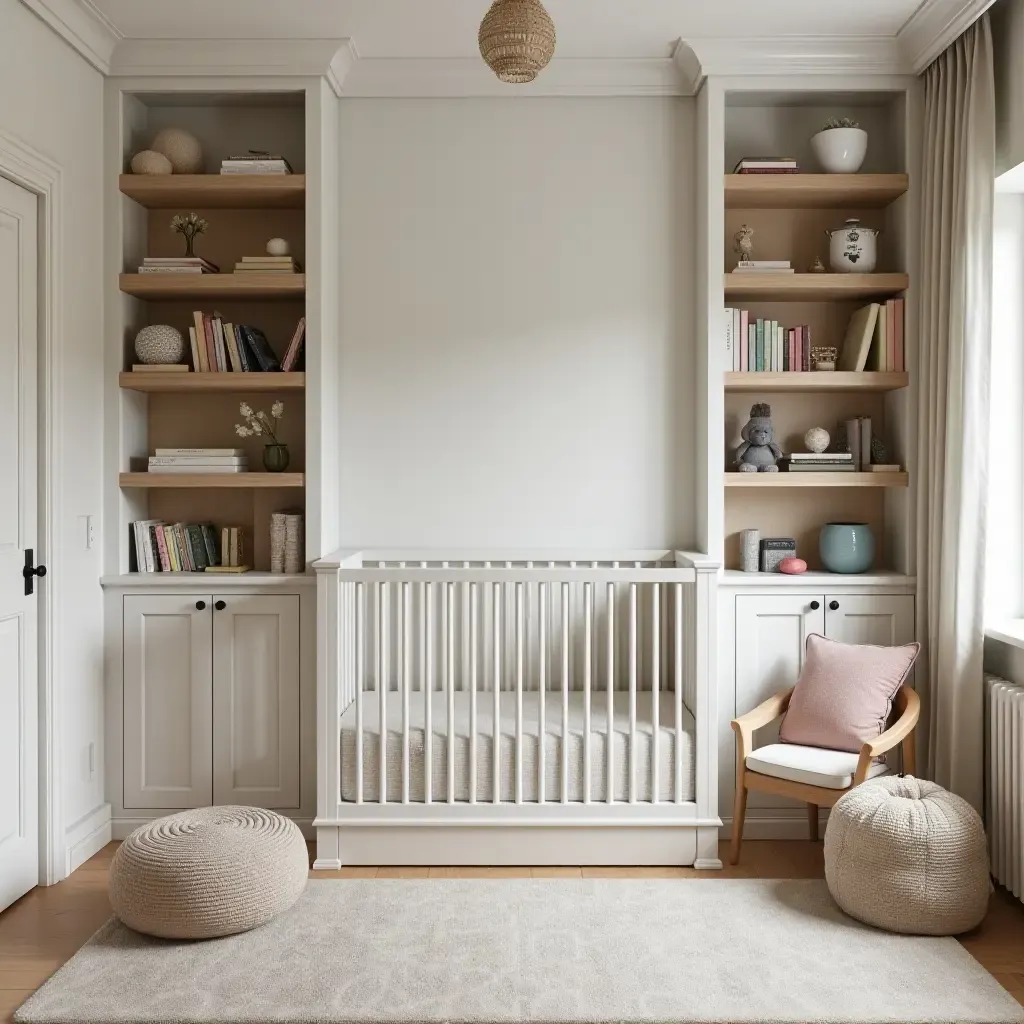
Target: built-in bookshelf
<point>193,408</point>
<point>789,214</point>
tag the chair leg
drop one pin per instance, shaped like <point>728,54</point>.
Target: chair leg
<point>739,813</point>
<point>812,821</point>
<point>910,754</point>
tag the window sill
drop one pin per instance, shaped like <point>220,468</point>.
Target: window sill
<point>1010,632</point>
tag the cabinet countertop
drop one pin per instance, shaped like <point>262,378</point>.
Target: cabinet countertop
<point>817,580</point>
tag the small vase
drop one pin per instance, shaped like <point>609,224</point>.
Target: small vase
<point>846,547</point>
<point>275,458</point>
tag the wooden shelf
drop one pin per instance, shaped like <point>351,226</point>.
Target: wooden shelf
<point>836,380</point>
<point>813,191</point>
<point>213,286</point>
<point>215,383</point>
<point>216,191</point>
<point>773,480</point>
<point>812,287</point>
<point>233,481</point>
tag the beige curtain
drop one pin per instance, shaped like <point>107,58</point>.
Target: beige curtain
<point>952,429</point>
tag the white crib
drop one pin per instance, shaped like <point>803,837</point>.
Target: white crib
<point>553,708</point>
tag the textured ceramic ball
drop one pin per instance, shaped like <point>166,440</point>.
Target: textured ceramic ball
<point>149,161</point>
<point>905,855</point>
<point>278,247</point>
<point>792,566</point>
<point>159,343</point>
<point>181,148</point>
<point>816,439</point>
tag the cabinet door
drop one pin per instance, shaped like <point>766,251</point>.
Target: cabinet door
<point>885,621</point>
<point>168,727</point>
<point>256,700</point>
<point>771,633</point>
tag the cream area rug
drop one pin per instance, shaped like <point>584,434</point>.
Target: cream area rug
<point>566,951</point>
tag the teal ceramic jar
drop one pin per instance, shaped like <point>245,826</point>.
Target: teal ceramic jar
<point>847,547</point>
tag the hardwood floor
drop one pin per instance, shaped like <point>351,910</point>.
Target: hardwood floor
<point>47,926</point>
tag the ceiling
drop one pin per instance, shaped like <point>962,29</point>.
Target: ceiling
<point>448,28</point>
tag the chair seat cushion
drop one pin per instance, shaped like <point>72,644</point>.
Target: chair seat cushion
<point>814,766</point>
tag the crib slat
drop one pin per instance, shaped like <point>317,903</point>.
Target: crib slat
<point>632,692</point>
<point>449,601</point>
<point>678,658</point>
<point>404,627</point>
<point>360,679</point>
<point>496,722</point>
<point>588,628</point>
<point>565,693</point>
<point>428,695</point>
<point>473,654</point>
<point>519,692</point>
<point>655,687</point>
<point>609,725</point>
<point>382,690</point>
<point>542,678</point>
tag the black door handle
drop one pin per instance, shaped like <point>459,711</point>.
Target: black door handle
<point>833,606</point>
<point>200,605</point>
<point>219,605</point>
<point>31,571</point>
<point>815,605</point>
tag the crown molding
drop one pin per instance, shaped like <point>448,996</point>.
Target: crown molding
<point>934,25</point>
<point>261,58</point>
<point>80,25</point>
<point>790,55</point>
<point>470,76</point>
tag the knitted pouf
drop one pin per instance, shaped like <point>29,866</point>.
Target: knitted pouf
<point>208,872</point>
<point>904,855</point>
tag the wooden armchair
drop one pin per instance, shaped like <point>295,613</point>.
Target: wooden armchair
<point>815,777</point>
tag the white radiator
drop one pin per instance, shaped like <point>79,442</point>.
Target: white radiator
<point>1004,781</point>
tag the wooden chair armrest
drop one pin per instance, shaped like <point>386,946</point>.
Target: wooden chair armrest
<point>908,703</point>
<point>745,725</point>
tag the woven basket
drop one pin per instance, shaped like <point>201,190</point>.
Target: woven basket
<point>517,39</point>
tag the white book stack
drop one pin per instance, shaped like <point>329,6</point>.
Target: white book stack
<point>255,163</point>
<point>177,265</point>
<point>763,267</point>
<point>199,460</point>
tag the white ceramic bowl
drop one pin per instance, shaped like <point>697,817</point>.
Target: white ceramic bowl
<point>840,150</point>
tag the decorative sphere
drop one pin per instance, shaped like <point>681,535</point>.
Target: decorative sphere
<point>149,161</point>
<point>159,343</point>
<point>278,247</point>
<point>792,566</point>
<point>816,439</point>
<point>182,148</point>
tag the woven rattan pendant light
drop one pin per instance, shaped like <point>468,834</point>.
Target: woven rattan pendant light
<point>517,39</point>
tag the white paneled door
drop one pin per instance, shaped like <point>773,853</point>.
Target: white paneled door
<point>19,659</point>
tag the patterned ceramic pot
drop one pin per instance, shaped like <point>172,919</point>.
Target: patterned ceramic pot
<point>159,343</point>
<point>853,248</point>
<point>846,547</point>
<point>840,150</point>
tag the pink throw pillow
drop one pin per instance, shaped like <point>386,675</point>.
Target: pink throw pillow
<point>845,692</point>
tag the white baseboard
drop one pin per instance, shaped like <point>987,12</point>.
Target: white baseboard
<point>86,837</point>
<point>776,826</point>
<point>122,828</point>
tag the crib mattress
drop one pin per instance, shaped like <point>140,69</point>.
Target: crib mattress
<point>650,749</point>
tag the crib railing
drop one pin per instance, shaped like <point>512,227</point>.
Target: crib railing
<point>411,631</point>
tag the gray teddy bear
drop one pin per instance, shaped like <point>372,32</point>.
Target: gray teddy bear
<point>759,452</point>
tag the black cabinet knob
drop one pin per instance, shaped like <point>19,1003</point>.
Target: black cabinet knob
<point>200,605</point>
<point>31,571</point>
<point>834,605</point>
<point>220,605</point>
<point>815,605</point>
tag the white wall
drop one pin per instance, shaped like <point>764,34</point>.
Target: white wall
<point>53,103</point>
<point>516,319</point>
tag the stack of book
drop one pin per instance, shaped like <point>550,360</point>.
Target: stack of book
<point>177,265</point>
<point>766,165</point>
<point>874,339</point>
<point>818,462</point>
<point>156,546</point>
<point>222,347</point>
<point>232,551</point>
<point>255,163</point>
<point>199,460</point>
<point>757,345</point>
<point>267,265</point>
<point>763,267</point>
